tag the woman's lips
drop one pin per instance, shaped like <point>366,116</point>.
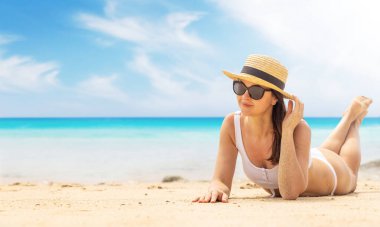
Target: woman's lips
<point>246,104</point>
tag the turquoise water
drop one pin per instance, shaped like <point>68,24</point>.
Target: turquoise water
<point>130,149</point>
<point>145,123</point>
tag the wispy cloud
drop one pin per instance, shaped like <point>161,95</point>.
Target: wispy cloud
<point>177,80</point>
<point>168,31</point>
<point>103,87</point>
<point>179,94</point>
<point>23,73</point>
<point>19,73</point>
<point>160,79</point>
<point>124,28</point>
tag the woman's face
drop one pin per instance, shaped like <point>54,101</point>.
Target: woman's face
<point>254,107</point>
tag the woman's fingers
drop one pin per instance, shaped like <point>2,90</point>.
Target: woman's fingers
<point>299,106</point>
<point>214,196</point>
<point>225,198</point>
<point>195,199</point>
<point>202,199</point>
<point>208,197</point>
<point>297,103</point>
<point>290,107</point>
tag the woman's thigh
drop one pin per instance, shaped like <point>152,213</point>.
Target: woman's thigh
<point>346,178</point>
<point>321,180</point>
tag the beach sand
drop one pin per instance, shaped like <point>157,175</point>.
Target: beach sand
<point>169,204</point>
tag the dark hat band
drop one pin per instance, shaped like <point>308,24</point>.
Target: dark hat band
<point>264,76</point>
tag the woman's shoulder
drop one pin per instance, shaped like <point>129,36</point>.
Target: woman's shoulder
<point>229,122</point>
<point>228,127</point>
<point>229,118</point>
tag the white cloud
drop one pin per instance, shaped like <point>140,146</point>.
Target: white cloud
<point>179,88</point>
<point>19,73</point>
<point>23,73</point>
<point>104,87</point>
<point>181,92</point>
<point>125,28</point>
<point>160,79</point>
<point>177,23</point>
<point>320,31</point>
<point>331,46</point>
<point>169,31</point>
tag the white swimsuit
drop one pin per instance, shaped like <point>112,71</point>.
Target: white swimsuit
<point>268,178</point>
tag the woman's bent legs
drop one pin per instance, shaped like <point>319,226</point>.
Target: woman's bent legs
<point>337,137</point>
<point>350,151</point>
<point>345,139</point>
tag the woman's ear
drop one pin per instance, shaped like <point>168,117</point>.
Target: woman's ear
<point>274,102</point>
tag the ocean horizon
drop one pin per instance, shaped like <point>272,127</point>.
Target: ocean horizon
<point>125,149</point>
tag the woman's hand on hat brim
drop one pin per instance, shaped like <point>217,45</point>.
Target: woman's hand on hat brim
<point>293,116</point>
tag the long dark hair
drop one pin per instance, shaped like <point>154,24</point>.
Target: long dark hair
<point>278,115</point>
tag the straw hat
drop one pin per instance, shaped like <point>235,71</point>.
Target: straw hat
<point>265,71</point>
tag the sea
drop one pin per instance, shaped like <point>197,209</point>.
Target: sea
<point>96,150</point>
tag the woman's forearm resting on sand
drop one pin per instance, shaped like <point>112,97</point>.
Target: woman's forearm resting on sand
<point>291,179</point>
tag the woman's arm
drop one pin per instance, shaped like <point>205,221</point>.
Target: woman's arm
<point>295,149</point>
<point>294,160</point>
<point>220,187</point>
<point>227,154</point>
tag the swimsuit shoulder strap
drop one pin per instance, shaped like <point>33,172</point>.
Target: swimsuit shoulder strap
<point>238,139</point>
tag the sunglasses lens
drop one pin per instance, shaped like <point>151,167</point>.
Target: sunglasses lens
<point>239,88</point>
<point>256,92</point>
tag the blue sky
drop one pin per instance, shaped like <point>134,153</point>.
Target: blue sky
<point>164,58</point>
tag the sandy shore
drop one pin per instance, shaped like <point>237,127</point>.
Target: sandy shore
<point>169,204</point>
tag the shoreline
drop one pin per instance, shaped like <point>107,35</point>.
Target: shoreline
<point>369,171</point>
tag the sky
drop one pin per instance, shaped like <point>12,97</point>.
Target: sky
<point>143,58</point>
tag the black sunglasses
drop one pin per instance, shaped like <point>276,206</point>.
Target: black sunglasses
<point>255,91</point>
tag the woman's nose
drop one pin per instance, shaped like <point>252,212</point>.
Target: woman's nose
<point>246,95</point>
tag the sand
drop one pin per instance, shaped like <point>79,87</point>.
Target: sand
<point>169,204</point>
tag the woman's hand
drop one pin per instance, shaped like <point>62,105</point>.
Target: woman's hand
<point>293,117</point>
<point>214,194</point>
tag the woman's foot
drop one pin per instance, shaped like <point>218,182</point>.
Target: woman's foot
<point>359,105</point>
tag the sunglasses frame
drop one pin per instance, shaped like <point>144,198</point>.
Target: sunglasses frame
<point>248,88</point>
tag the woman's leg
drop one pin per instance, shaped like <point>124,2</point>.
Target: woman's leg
<point>338,136</point>
<point>349,147</point>
<point>350,151</point>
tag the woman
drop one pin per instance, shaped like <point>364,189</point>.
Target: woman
<point>274,144</point>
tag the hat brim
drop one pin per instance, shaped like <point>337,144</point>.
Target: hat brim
<point>256,80</point>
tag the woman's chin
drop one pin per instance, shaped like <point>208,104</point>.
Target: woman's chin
<point>247,110</point>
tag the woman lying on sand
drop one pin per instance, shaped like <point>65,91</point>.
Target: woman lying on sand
<point>274,144</point>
